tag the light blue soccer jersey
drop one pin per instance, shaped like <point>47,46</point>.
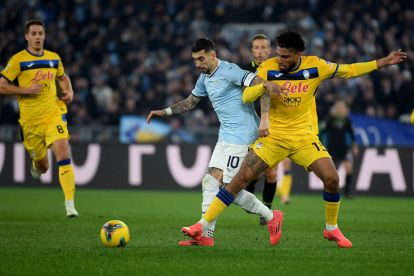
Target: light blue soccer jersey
<point>238,121</point>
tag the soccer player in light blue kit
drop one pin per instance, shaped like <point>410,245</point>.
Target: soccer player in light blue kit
<point>222,82</point>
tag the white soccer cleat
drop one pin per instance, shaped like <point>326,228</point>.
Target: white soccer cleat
<point>70,209</point>
<point>35,171</point>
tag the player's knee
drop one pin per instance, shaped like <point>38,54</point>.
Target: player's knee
<point>42,167</point>
<point>331,182</point>
<point>271,175</point>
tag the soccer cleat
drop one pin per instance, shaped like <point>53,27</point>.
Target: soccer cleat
<point>275,227</point>
<point>193,231</point>
<point>262,221</point>
<point>35,171</point>
<point>70,209</point>
<point>336,235</point>
<point>200,241</point>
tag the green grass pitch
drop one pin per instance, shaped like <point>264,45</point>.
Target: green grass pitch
<point>37,239</point>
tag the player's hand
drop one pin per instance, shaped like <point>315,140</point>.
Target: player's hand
<point>155,113</point>
<point>264,127</point>
<point>67,96</point>
<point>34,89</point>
<point>394,57</point>
<point>277,89</point>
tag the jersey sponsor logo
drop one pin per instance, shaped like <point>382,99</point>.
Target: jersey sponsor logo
<point>296,88</point>
<point>292,101</point>
<point>40,75</point>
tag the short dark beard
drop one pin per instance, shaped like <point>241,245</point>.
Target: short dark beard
<point>292,67</point>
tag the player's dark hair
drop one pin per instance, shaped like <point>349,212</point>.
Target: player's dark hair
<point>32,22</point>
<point>205,44</point>
<point>291,40</point>
<point>260,36</point>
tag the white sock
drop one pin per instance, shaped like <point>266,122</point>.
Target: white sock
<point>210,187</point>
<point>253,205</point>
<point>70,204</point>
<point>330,227</point>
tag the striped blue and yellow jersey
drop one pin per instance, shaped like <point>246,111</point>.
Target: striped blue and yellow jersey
<point>24,69</point>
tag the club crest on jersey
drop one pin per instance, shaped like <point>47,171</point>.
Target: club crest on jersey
<point>51,64</point>
<point>306,74</point>
<point>259,145</point>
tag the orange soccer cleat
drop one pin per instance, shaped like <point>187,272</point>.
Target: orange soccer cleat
<point>200,241</point>
<point>193,231</point>
<point>275,227</point>
<point>336,235</point>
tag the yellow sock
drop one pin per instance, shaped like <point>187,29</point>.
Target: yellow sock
<point>215,209</point>
<point>331,212</point>
<point>279,189</point>
<point>286,185</point>
<point>67,181</point>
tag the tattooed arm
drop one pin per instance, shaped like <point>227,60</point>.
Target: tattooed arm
<point>177,108</point>
<point>264,114</point>
<point>264,103</point>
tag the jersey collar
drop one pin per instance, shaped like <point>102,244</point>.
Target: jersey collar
<point>33,54</point>
<point>212,73</point>
<point>297,66</point>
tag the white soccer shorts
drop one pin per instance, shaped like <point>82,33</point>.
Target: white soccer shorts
<point>228,158</point>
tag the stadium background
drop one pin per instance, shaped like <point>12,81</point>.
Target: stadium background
<point>127,57</point>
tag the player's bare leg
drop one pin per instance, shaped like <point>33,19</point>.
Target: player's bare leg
<point>325,169</point>
<point>62,154</point>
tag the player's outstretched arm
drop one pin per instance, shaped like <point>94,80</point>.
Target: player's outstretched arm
<point>362,68</point>
<point>394,57</point>
<point>66,86</point>
<point>7,89</point>
<point>183,106</point>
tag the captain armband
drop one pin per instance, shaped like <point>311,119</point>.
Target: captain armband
<point>248,78</point>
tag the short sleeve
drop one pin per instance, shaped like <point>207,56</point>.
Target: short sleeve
<point>326,68</point>
<point>60,69</point>
<point>239,76</point>
<point>199,89</point>
<point>12,70</point>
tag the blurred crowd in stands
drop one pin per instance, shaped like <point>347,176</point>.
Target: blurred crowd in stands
<point>128,57</point>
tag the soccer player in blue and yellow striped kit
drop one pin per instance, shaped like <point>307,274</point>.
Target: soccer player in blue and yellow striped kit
<point>31,75</point>
<point>291,128</point>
